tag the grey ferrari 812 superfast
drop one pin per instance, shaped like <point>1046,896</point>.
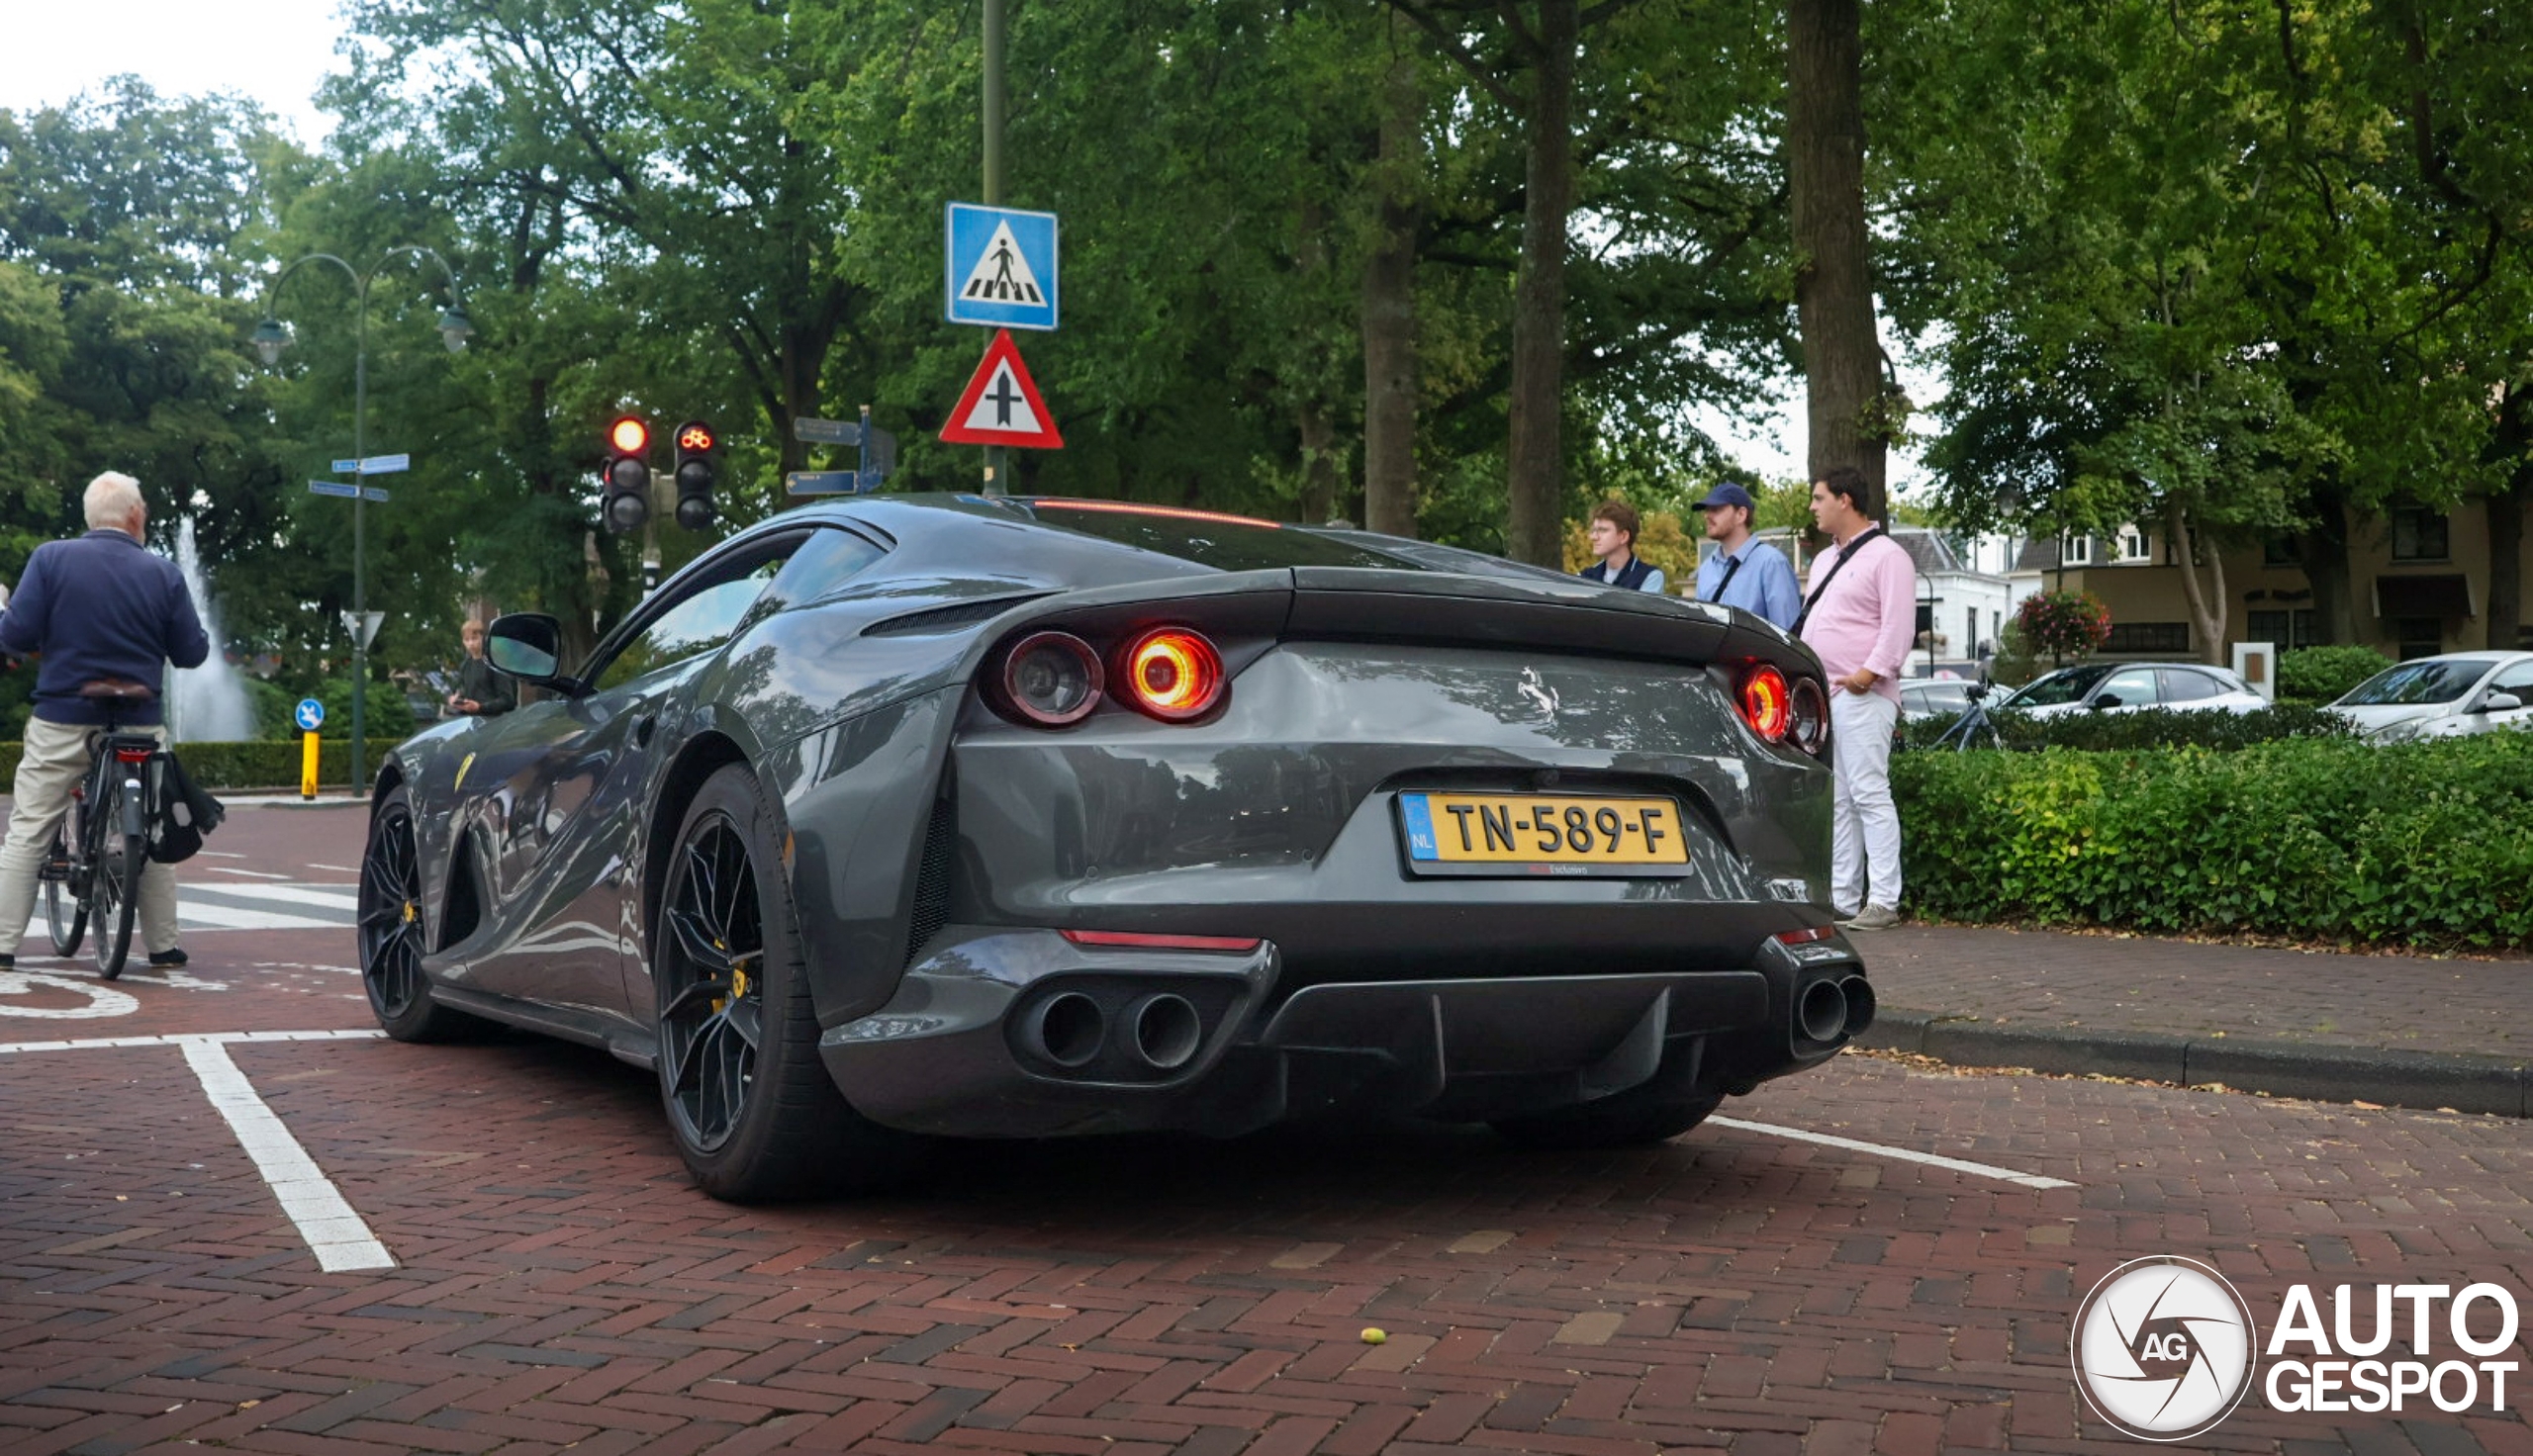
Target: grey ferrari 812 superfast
<point>896,818</point>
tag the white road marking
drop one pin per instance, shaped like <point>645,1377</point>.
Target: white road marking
<point>220,855</point>
<point>1933,1160</point>
<point>336,897</point>
<point>339,868</point>
<point>257,873</point>
<point>334,1231</point>
<point>103,1000</point>
<point>200,915</point>
<point>179,1038</point>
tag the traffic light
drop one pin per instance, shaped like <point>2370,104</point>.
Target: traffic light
<point>694,472</point>
<point>628,473</point>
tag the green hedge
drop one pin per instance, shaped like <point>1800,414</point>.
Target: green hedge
<point>2147,728</point>
<point>2425,844</point>
<point>257,764</point>
<point>2326,673</point>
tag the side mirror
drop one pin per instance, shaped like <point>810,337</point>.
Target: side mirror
<point>529,646</point>
<point>2499,702</point>
<point>2106,700</point>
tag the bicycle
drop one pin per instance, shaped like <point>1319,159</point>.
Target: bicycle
<point>1974,728</point>
<point>100,849</point>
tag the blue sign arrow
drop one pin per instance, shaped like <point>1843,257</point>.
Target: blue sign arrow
<point>375,465</point>
<point>310,716</point>
<point>334,488</point>
<point>1000,268</point>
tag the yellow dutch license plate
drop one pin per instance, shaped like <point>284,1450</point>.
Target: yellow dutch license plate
<point>1541,832</point>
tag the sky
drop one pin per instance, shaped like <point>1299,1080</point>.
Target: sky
<point>273,52</point>
<point>277,51</point>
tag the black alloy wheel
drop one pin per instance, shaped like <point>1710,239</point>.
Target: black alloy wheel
<point>65,914</point>
<point>750,1104</point>
<point>711,979</point>
<point>390,931</point>
<point>114,883</point>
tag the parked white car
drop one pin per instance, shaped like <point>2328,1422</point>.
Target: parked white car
<point>2449,696</point>
<point>1934,697</point>
<point>2125,688</point>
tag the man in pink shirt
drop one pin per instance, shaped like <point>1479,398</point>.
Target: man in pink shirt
<point>1860,618</point>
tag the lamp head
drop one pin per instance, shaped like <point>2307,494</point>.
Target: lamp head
<point>269,339</point>
<point>455,329</point>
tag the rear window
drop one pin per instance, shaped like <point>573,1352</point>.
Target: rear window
<point>2413,684</point>
<point>1228,543</point>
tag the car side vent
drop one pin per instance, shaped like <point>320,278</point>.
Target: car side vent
<point>932,879</point>
<point>945,618</point>
<point>463,910</point>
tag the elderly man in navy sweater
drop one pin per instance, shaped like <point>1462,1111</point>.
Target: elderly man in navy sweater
<point>98,607</point>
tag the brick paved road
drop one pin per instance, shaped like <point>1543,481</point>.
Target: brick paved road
<point>557,1284</point>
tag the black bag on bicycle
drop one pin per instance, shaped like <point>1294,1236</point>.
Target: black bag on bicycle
<point>185,812</point>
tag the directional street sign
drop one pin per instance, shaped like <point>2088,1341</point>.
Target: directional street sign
<point>820,482</point>
<point>825,431</point>
<point>310,716</point>
<point>375,465</point>
<point>337,488</point>
<point>1001,267</point>
<point>1001,405</point>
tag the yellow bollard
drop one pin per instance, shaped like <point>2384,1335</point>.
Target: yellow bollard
<point>307,765</point>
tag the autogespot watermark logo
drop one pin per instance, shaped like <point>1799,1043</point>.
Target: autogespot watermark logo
<point>2163,1348</point>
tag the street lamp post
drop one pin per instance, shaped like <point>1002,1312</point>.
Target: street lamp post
<point>270,338</point>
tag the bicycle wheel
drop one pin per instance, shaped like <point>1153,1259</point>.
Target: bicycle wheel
<point>116,880</point>
<point>65,915</point>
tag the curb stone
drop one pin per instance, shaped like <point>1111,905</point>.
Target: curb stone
<point>2430,1080</point>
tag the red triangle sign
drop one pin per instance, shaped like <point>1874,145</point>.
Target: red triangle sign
<point>1001,405</point>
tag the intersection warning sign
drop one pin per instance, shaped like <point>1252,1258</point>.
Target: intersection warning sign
<point>1002,405</point>
<point>1000,267</point>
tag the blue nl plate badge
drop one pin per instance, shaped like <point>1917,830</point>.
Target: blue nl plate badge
<point>1420,827</point>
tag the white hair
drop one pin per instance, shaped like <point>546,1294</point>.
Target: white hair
<point>111,499</point>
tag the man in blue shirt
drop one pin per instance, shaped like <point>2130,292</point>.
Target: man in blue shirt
<point>1745,572</point>
<point>98,607</point>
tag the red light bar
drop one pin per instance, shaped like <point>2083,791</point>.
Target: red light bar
<point>1806,937</point>
<point>1124,507</point>
<point>1139,939</point>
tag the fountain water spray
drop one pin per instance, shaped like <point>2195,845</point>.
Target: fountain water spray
<point>209,703</point>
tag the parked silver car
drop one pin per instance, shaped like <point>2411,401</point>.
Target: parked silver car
<point>2128,686</point>
<point>2449,696</point>
<point>1934,697</point>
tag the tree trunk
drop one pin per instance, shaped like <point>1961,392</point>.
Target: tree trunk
<point>1534,464</point>
<point>2207,604</point>
<point>1389,300</point>
<point>2507,508</point>
<point>2323,547</point>
<point>1832,285</point>
<point>1321,479</point>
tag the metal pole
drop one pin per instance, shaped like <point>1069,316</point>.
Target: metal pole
<point>997,456</point>
<point>360,558</point>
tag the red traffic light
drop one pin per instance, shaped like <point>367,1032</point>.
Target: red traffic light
<point>630,436</point>
<point>695,437</point>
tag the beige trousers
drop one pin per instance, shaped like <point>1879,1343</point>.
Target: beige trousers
<point>56,754</point>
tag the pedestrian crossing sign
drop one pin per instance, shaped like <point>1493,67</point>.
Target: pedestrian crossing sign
<point>1001,267</point>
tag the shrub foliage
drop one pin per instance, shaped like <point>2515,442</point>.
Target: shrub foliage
<point>2147,728</point>
<point>2323,673</point>
<point>2331,839</point>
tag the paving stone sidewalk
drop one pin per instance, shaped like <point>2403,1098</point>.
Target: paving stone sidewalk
<point>2414,1031</point>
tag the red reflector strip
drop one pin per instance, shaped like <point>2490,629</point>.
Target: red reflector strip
<point>1806,937</point>
<point>1138,940</point>
<point>131,756</point>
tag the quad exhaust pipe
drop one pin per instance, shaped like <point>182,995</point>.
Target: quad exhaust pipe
<point>1828,1010</point>
<point>1160,1032</point>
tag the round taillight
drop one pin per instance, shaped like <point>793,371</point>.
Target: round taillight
<point>1172,674</point>
<point>1050,680</point>
<point>1810,708</point>
<point>1767,705</point>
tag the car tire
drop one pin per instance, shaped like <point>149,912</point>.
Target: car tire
<point>1655,1112</point>
<point>388,934</point>
<point>749,1102</point>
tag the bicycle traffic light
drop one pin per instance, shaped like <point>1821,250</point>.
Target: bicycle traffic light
<point>695,470</point>
<point>628,473</point>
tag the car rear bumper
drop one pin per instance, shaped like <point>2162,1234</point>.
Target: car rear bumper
<point>1021,1033</point>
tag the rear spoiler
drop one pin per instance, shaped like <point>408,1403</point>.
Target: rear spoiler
<point>1354,604</point>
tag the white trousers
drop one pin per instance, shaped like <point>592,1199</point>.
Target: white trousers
<point>56,754</point>
<point>1864,835</point>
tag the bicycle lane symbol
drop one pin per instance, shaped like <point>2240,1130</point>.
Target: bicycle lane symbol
<point>97,1000</point>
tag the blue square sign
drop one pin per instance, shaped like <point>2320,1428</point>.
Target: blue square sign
<point>1001,268</point>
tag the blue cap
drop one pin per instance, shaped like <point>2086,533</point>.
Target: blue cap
<point>1727,493</point>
